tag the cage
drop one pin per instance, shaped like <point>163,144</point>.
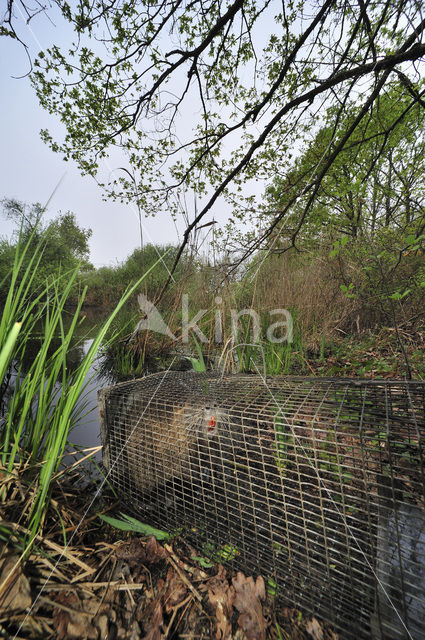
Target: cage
<point>317,484</point>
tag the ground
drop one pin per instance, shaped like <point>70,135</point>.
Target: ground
<point>79,580</point>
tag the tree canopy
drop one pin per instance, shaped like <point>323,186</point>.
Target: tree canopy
<point>65,245</point>
<point>210,95</point>
<point>375,183</point>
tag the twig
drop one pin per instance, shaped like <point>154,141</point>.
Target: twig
<point>175,609</point>
<point>173,560</point>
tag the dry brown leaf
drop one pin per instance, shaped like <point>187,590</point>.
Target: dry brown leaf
<point>133,631</point>
<point>17,592</point>
<point>247,601</point>
<point>70,621</point>
<point>102,623</point>
<point>175,592</point>
<point>153,551</point>
<point>131,551</point>
<point>221,596</point>
<point>152,627</point>
<point>314,628</point>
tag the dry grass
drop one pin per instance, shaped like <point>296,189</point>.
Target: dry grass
<point>78,581</point>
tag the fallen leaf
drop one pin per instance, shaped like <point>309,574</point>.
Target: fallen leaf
<point>314,628</point>
<point>221,596</point>
<point>131,551</point>
<point>70,621</point>
<point>153,551</point>
<point>175,592</point>
<point>17,592</point>
<point>102,625</point>
<point>247,601</point>
<point>152,627</point>
<point>132,631</point>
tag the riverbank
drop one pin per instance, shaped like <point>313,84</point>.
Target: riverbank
<point>83,579</point>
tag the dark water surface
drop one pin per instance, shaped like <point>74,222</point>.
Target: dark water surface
<point>87,432</point>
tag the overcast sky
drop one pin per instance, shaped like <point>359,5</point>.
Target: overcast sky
<point>30,171</point>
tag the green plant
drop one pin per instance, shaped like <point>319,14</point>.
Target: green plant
<point>135,526</point>
<point>124,361</point>
<point>279,633</point>
<point>43,404</point>
<point>278,358</point>
<point>226,553</point>
<point>7,349</point>
<point>204,562</point>
<point>284,440</point>
<point>198,364</point>
<point>322,348</point>
<point>272,587</point>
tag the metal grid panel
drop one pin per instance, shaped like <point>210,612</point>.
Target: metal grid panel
<point>317,484</point>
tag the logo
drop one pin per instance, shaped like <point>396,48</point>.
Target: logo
<point>277,332</point>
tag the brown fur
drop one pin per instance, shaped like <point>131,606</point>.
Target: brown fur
<point>161,440</point>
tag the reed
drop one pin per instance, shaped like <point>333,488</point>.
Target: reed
<point>40,403</point>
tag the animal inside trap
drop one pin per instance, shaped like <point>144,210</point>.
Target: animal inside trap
<point>317,484</point>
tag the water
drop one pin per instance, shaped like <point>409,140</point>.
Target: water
<point>401,572</point>
<point>86,433</point>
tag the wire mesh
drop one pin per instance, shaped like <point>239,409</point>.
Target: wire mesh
<point>317,484</point>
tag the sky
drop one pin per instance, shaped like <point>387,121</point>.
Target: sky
<point>30,172</point>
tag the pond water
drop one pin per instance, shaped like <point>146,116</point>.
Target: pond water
<point>87,432</point>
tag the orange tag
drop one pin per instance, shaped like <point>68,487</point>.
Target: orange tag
<point>211,425</point>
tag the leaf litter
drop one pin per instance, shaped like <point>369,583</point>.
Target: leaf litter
<point>79,581</point>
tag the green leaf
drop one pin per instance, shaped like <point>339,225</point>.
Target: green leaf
<point>7,349</point>
<point>204,562</point>
<point>399,296</point>
<point>132,524</point>
<point>198,363</point>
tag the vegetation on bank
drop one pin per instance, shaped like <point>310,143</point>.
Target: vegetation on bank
<point>39,396</point>
<point>347,295</point>
<point>344,298</point>
<point>61,244</point>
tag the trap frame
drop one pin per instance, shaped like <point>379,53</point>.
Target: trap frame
<point>317,484</point>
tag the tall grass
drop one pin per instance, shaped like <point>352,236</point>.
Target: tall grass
<point>42,405</point>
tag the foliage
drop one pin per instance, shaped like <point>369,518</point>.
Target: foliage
<point>375,183</point>
<point>62,246</point>
<point>26,217</point>
<point>127,523</point>
<point>122,361</point>
<point>258,76</point>
<point>41,405</point>
<point>198,364</point>
<point>370,210</point>
<point>106,284</point>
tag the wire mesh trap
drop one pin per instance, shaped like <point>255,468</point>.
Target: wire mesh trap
<point>317,484</point>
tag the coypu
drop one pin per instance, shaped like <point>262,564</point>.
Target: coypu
<point>289,480</point>
<point>160,442</point>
